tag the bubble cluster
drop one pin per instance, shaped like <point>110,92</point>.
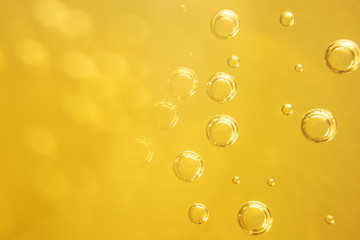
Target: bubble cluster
<point>182,83</point>
<point>188,166</point>
<point>233,61</point>
<point>255,218</point>
<point>319,125</point>
<point>343,56</point>
<point>287,19</point>
<point>222,130</point>
<point>222,87</point>
<point>198,213</point>
<point>287,109</point>
<point>225,24</point>
<point>165,115</point>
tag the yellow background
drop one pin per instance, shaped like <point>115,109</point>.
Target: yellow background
<point>74,93</point>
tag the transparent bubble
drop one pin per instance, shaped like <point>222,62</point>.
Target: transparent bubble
<point>255,218</point>
<point>222,130</point>
<point>271,182</point>
<point>222,87</point>
<point>319,125</point>
<point>287,19</point>
<point>188,166</point>
<point>299,67</point>
<point>287,109</point>
<point>198,213</point>
<point>182,83</point>
<point>329,220</point>
<point>225,24</point>
<point>77,23</point>
<point>236,180</point>
<point>233,61</point>
<point>139,151</point>
<point>343,56</point>
<point>165,115</point>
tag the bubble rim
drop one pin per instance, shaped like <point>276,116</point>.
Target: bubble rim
<point>146,142</point>
<point>173,108</point>
<point>230,58</point>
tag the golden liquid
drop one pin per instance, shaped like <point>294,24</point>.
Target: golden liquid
<point>86,152</point>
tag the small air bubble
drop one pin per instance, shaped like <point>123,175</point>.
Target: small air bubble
<point>287,109</point>
<point>233,61</point>
<point>236,180</point>
<point>287,19</point>
<point>329,220</point>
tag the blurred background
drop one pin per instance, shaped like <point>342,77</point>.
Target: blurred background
<point>98,98</point>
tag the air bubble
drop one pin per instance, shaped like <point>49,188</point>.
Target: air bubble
<point>188,166</point>
<point>221,87</point>
<point>271,182</point>
<point>287,19</point>
<point>236,180</point>
<point>343,56</point>
<point>182,83</point>
<point>222,130</point>
<point>143,151</point>
<point>233,61</point>
<point>255,218</point>
<point>287,109</point>
<point>225,24</point>
<point>329,220</point>
<point>165,115</point>
<point>198,213</point>
<point>299,68</point>
<point>319,125</point>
